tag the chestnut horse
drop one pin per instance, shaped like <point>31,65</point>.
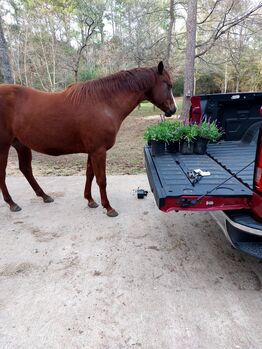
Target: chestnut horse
<point>84,118</point>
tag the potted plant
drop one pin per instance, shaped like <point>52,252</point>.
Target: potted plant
<point>188,135</point>
<point>206,132</point>
<point>173,136</point>
<point>202,139</point>
<point>156,136</point>
<point>215,132</point>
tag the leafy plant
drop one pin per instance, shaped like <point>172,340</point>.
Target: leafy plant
<point>210,131</point>
<point>167,131</point>
<point>189,133</point>
<point>156,133</point>
<point>215,132</point>
<point>173,131</point>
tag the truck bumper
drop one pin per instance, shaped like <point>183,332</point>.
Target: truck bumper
<point>241,230</point>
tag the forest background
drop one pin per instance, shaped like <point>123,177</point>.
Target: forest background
<point>54,43</point>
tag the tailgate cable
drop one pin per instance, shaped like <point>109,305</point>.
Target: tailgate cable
<point>187,202</point>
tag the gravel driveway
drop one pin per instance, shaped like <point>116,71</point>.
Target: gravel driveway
<point>70,277</point>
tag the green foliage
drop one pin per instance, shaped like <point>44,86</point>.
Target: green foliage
<point>210,131</point>
<point>156,132</point>
<point>178,86</point>
<point>88,74</point>
<point>215,132</point>
<point>208,83</point>
<point>188,133</point>
<point>167,131</point>
<point>173,131</point>
<point>204,130</point>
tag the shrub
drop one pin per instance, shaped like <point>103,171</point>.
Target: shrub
<point>168,131</point>
<point>210,131</point>
<point>188,133</point>
<point>156,133</point>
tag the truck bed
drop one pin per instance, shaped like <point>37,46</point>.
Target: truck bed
<point>174,191</point>
<point>233,156</point>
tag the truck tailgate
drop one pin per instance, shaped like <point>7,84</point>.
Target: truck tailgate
<point>174,191</point>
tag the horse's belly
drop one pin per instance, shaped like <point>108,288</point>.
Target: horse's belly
<point>54,151</point>
<point>53,146</point>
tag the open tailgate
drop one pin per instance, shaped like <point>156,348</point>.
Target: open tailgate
<point>173,190</point>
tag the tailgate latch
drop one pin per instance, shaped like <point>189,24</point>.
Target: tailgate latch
<point>184,202</point>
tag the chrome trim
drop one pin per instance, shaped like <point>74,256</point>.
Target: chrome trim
<point>221,218</point>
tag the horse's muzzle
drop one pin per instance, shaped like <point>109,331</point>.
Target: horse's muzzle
<point>170,112</point>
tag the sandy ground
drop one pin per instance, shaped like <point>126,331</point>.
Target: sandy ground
<point>70,277</point>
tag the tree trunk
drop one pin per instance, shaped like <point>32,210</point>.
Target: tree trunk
<point>237,81</point>
<point>225,79</point>
<point>170,31</point>
<point>190,57</point>
<point>4,58</point>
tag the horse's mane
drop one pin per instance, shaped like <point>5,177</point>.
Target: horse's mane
<point>137,79</point>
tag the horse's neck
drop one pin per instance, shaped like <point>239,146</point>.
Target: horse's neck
<point>127,102</point>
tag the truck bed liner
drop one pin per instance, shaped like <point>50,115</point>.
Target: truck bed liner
<point>233,156</point>
<point>167,177</point>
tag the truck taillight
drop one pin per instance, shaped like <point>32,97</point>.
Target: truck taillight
<point>258,165</point>
<point>195,112</point>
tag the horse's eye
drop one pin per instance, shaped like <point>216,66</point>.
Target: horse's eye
<point>169,86</point>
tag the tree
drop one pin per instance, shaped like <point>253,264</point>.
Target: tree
<point>4,57</point>
<point>170,32</point>
<point>190,56</point>
<point>221,18</point>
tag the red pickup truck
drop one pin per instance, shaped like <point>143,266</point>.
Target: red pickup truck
<point>233,190</point>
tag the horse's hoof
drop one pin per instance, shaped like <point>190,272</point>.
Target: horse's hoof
<point>47,199</point>
<point>15,208</point>
<point>92,204</point>
<point>112,213</point>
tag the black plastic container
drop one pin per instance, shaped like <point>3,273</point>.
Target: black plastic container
<point>157,147</point>
<point>200,145</point>
<point>172,147</point>
<point>186,148</point>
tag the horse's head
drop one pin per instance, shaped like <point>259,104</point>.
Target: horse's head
<point>161,94</point>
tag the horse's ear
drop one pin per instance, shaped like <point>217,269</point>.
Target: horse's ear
<point>160,67</point>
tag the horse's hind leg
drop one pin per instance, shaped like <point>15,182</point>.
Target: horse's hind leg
<point>3,163</point>
<point>25,159</point>
<point>89,179</point>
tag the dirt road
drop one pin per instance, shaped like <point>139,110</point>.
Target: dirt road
<point>70,277</point>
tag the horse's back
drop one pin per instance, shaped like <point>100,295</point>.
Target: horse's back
<point>10,95</point>
<point>20,102</point>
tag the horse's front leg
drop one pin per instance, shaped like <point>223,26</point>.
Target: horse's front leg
<point>89,179</point>
<point>98,160</point>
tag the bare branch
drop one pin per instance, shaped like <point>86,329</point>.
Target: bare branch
<point>210,13</point>
<point>224,26</point>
